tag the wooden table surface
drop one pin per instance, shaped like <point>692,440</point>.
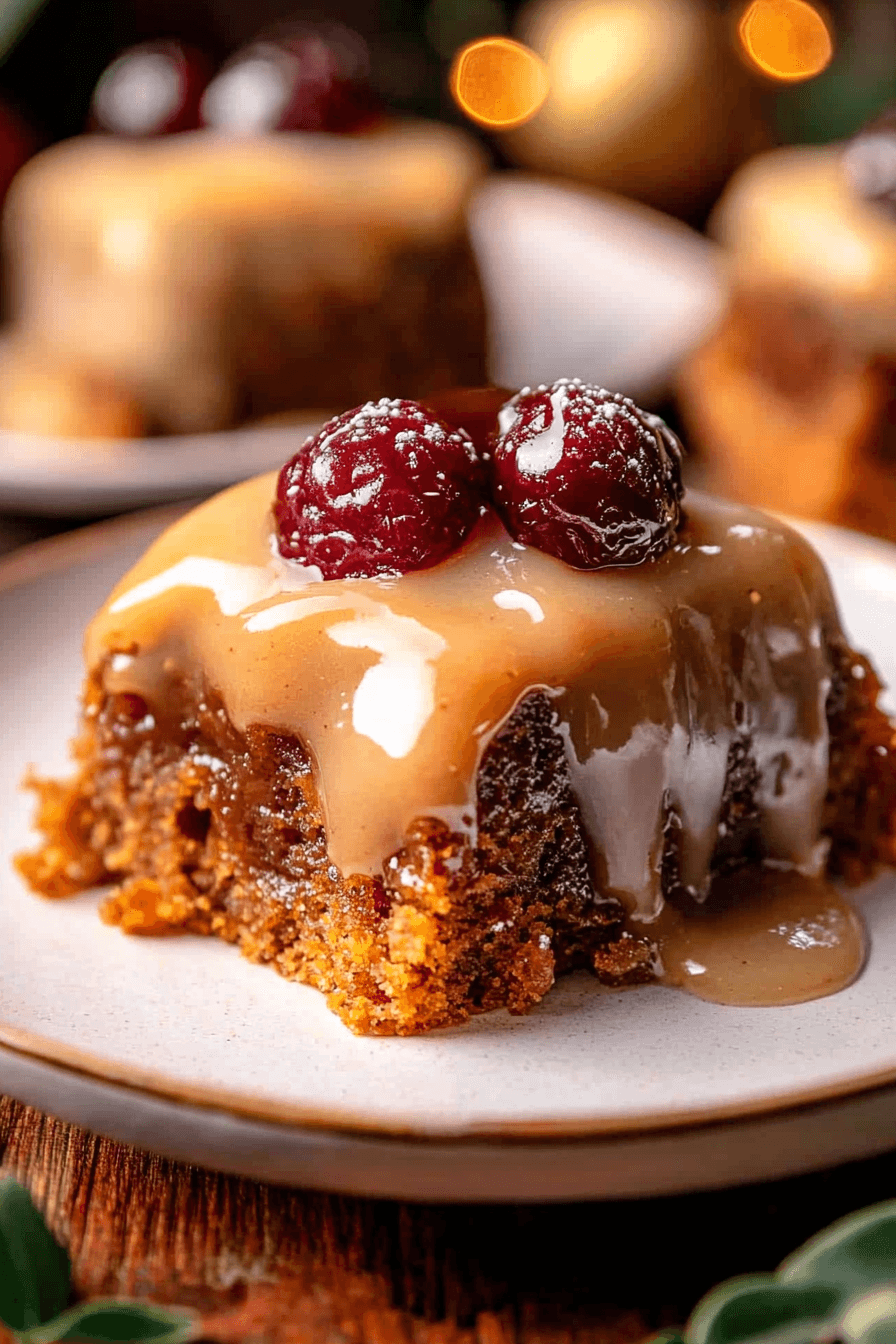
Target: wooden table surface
<point>264,1263</point>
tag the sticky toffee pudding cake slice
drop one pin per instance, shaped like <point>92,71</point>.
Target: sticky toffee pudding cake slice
<point>209,280</point>
<point>431,718</point>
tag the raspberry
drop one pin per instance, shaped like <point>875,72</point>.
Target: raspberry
<point>17,144</point>
<point>383,489</point>
<point>311,77</point>
<point>151,89</point>
<point>586,476</point>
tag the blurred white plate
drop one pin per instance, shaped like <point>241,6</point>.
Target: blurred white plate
<point>578,284</point>
<point>182,1046</point>
<point>68,477</point>
<point>582,284</point>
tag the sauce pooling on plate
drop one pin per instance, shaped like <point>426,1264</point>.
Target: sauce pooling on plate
<point>766,937</point>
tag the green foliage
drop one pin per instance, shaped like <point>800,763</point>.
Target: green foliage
<point>761,1308</point>
<point>855,1253</point>
<point>15,17</point>
<point>35,1283</point>
<point>34,1271</point>
<point>451,23</point>
<point>840,1286</point>
<point>107,1322</point>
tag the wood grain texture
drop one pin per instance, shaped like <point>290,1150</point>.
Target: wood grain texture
<point>268,1264</point>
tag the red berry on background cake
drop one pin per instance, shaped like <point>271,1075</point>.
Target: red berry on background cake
<point>17,144</point>
<point>586,476</point>
<point>151,89</point>
<point>383,489</point>
<point>312,78</point>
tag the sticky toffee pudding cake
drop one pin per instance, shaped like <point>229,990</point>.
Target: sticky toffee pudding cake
<point>431,718</point>
<point>211,280</point>
<point>790,403</point>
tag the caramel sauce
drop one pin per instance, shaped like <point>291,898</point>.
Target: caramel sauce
<point>396,685</point>
<point>765,937</point>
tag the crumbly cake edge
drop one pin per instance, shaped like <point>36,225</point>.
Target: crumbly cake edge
<point>447,932</point>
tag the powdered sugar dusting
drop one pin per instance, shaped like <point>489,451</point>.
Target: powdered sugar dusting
<point>381,490</point>
<point>583,474</point>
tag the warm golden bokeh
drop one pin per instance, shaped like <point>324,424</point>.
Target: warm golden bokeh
<point>648,99</point>
<point>604,54</point>
<point>498,82</point>
<point>787,39</point>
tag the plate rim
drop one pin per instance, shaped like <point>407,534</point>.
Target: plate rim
<point>54,476</point>
<point>626,1166</point>
<point>351,1123</point>
<point>39,559</point>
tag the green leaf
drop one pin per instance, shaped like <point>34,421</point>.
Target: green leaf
<point>666,1337</point>
<point>756,1307</point>
<point>853,1253</point>
<point>884,1332</point>
<point>869,1318</point>
<point>34,1272</point>
<point>105,1322</point>
<point>15,17</point>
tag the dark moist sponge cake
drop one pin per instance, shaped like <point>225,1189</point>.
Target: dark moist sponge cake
<point>429,794</point>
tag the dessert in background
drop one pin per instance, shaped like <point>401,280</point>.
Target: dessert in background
<point>790,403</point>
<point>433,717</point>
<point>300,250</point>
<point>214,279</point>
<point>38,395</point>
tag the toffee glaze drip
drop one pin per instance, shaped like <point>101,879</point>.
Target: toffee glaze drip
<point>397,685</point>
<point>765,937</point>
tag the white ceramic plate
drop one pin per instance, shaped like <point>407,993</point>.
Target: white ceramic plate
<point>182,1046</point>
<point>577,284</point>
<point>580,283</point>
<point>70,477</point>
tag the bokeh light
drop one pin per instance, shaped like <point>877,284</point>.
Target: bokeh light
<point>602,52</point>
<point>498,83</point>
<point>786,39</point>
<point>647,98</point>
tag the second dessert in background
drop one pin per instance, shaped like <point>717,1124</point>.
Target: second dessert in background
<point>189,282</point>
<point>791,403</point>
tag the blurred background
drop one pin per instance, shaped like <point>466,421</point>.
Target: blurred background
<point>227,218</point>
<point>54,52</point>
